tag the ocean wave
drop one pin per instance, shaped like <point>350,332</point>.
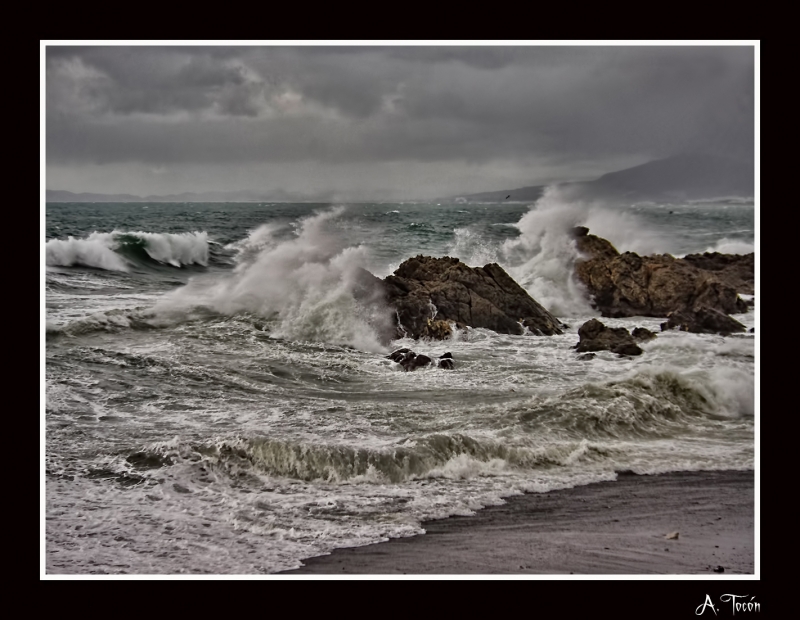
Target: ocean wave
<point>732,200</point>
<point>119,250</point>
<point>304,283</point>
<point>650,401</point>
<point>111,321</point>
<point>439,455</point>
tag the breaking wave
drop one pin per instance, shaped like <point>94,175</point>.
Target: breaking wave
<point>434,456</point>
<point>304,285</point>
<point>542,257</point>
<point>119,251</point>
<point>650,401</point>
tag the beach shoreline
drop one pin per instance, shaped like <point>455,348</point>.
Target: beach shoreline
<point>680,523</point>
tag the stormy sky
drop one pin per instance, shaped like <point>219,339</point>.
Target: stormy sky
<point>383,123</point>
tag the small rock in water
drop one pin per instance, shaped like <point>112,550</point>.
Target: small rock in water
<point>411,361</point>
<point>595,336</point>
<point>719,569</point>
<point>587,356</point>
<point>418,362</point>
<point>642,334</point>
<point>397,356</point>
<point>673,536</point>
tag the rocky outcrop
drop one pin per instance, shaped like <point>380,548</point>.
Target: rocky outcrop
<point>430,293</point>
<point>595,336</point>
<point>627,284</point>
<point>702,320</point>
<point>735,270</point>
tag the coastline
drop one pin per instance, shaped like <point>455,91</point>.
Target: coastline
<point>618,527</point>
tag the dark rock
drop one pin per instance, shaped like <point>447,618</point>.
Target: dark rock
<point>719,569</point>
<point>702,320</point>
<point>587,356</point>
<point>642,334</point>
<point>752,330</point>
<point>437,330</point>
<point>627,284</point>
<point>446,363</point>
<point>446,355</point>
<point>595,336</point>
<point>628,349</point>
<point>736,270</point>
<point>399,355</point>
<point>410,361</point>
<point>419,361</point>
<point>593,246</point>
<point>429,293</point>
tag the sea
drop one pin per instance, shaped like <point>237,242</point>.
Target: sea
<point>215,401</point>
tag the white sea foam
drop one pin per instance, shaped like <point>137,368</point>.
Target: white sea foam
<point>176,249</point>
<point>306,282</point>
<point>541,259</point>
<point>94,251</point>
<point>101,250</point>
<point>472,248</point>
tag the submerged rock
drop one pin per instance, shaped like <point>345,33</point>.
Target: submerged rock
<point>595,336</point>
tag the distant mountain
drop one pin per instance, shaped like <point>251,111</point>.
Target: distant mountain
<point>58,195</point>
<point>691,176</point>
<point>682,177</point>
<point>531,193</point>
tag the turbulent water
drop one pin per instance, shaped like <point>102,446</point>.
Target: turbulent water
<point>218,402</point>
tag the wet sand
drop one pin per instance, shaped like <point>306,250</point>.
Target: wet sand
<point>619,527</point>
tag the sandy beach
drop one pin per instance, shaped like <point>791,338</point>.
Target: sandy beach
<point>687,523</point>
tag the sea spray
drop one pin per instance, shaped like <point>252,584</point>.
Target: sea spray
<point>305,283</point>
<point>94,251</point>
<point>732,246</point>
<point>542,257</point>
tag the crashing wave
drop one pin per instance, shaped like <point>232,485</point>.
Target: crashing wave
<point>119,250</point>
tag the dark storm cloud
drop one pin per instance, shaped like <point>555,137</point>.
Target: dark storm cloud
<point>177,104</point>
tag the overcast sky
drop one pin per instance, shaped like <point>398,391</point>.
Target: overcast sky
<point>385,123</point>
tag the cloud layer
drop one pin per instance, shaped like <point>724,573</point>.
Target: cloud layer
<point>401,121</point>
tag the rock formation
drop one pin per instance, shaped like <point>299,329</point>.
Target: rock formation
<point>736,270</point>
<point>627,284</point>
<point>703,320</point>
<point>595,336</point>
<point>428,294</point>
